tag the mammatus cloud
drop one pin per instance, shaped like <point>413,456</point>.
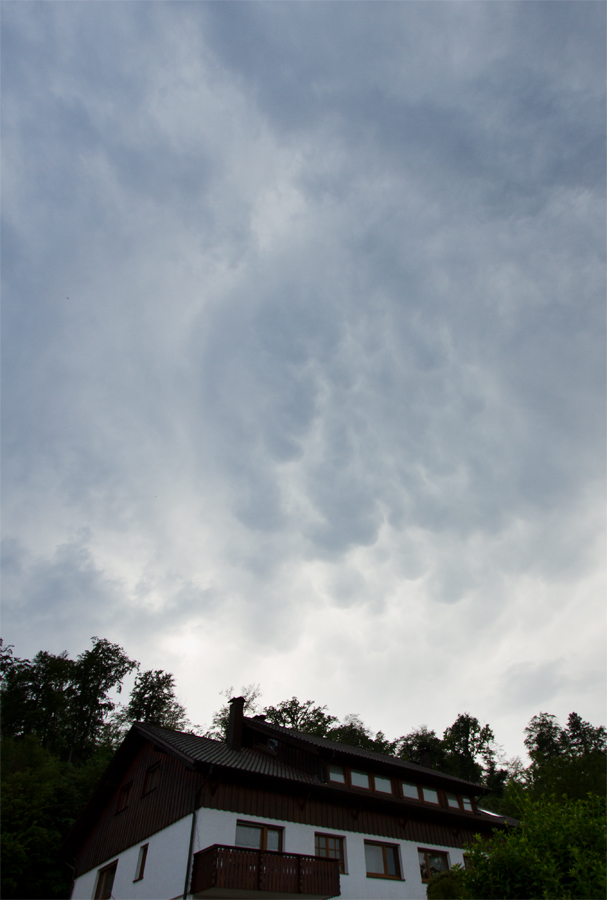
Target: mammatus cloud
<point>304,349</point>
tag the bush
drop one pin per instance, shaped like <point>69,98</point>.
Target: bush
<point>447,885</point>
<point>556,853</point>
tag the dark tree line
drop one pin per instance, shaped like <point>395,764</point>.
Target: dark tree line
<point>61,724</point>
<point>60,727</point>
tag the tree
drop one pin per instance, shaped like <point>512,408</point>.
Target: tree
<point>424,747</point>
<point>353,731</point>
<point>41,797</point>
<point>153,701</point>
<point>64,703</point>
<point>468,746</point>
<point>300,716</point>
<point>219,722</point>
<point>558,850</point>
<point>566,761</point>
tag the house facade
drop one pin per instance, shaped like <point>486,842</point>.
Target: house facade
<point>270,813</point>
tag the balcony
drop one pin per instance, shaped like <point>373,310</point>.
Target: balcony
<point>235,872</point>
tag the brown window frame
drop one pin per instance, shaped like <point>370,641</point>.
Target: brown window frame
<point>427,850</point>
<point>101,881</point>
<point>334,837</point>
<point>334,781</point>
<point>389,793</point>
<point>264,834</point>
<point>124,797</point>
<point>383,845</point>
<point>347,782</point>
<point>141,861</point>
<point>151,779</point>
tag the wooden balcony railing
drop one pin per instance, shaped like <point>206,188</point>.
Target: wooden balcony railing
<point>240,869</point>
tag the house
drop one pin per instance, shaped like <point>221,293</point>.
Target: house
<point>269,813</point>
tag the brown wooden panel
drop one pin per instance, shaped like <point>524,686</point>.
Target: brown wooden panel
<point>254,802</point>
<point>170,800</point>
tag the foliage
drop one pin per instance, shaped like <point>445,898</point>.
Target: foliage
<point>423,747</point>
<point>65,703</point>
<point>219,722</point>
<point>447,885</point>
<point>557,851</point>
<point>153,701</point>
<point>41,797</point>
<point>354,732</point>
<point>300,716</point>
<point>566,761</point>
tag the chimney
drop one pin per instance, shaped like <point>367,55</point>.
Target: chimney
<point>234,739</point>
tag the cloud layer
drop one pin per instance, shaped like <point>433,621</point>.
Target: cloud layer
<point>304,349</point>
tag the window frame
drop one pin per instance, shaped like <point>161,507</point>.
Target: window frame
<point>336,837</point>
<point>124,797</point>
<point>151,775</point>
<point>141,861</point>
<point>428,850</point>
<point>263,827</point>
<point>384,846</point>
<point>101,874</point>
<point>384,778</point>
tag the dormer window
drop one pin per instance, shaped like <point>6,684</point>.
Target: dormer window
<point>359,779</point>
<point>430,795</point>
<point>336,773</point>
<point>384,785</point>
<point>410,790</point>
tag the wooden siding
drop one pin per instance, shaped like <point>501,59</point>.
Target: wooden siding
<point>173,798</point>
<point>170,800</point>
<point>251,801</point>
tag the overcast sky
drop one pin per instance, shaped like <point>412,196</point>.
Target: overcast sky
<point>304,350</point>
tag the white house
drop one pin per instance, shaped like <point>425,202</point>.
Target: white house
<point>271,813</point>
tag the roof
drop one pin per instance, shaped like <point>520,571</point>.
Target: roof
<point>206,750</point>
<point>370,755</point>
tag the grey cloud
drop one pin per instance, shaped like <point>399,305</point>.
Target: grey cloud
<point>335,285</point>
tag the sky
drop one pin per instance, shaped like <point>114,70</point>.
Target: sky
<point>304,350</point>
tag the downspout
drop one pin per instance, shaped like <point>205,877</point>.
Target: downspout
<point>193,832</point>
<point>73,868</point>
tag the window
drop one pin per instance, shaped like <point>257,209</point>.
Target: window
<point>431,862</point>
<point>382,860</point>
<point>410,790</point>
<point>430,795</point>
<point>151,778</point>
<point>105,881</point>
<point>467,804</point>
<point>359,779</point>
<point>328,845</point>
<point>453,801</point>
<point>382,784</point>
<point>123,797</point>
<point>143,854</point>
<point>258,837</point>
<point>336,773</point>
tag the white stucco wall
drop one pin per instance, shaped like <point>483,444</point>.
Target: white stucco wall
<point>166,860</point>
